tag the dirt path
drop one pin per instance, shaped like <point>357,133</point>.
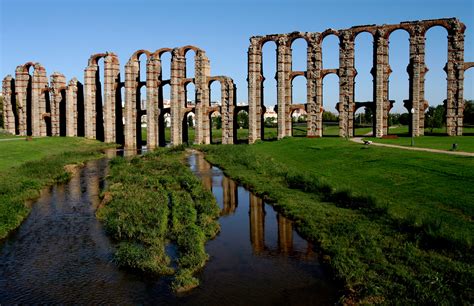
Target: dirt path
<point>359,140</point>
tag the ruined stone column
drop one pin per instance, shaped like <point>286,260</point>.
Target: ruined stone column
<point>153,68</point>
<point>8,92</point>
<point>347,75</point>
<point>254,80</point>
<point>282,78</point>
<point>416,70</point>
<point>39,90</point>
<point>455,75</point>
<point>111,82</point>
<point>314,106</point>
<point>202,72</point>
<point>380,73</point>
<point>178,73</point>
<point>131,87</point>
<point>227,110</point>
<point>22,79</point>
<point>90,92</point>
<point>58,84</point>
<point>71,108</point>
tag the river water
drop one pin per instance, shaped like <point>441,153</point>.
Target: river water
<point>61,254</point>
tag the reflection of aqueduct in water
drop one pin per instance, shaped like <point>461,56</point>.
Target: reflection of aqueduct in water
<point>34,107</point>
<point>258,219</point>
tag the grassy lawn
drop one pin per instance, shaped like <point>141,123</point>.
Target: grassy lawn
<point>28,166</point>
<point>155,200</point>
<point>396,225</point>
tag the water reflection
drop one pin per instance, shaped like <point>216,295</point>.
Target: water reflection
<point>258,257</point>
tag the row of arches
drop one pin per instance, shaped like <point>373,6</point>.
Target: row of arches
<point>319,93</point>
<point>299,80</point>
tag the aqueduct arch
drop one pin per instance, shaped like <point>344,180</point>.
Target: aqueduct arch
<point>454,68</point>
<point>34,106</point>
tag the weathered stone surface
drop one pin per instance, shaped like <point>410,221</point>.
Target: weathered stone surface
<point>32,106</point>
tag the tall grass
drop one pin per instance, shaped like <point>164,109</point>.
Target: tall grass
<point>385,248</point>
<point>155,200</point>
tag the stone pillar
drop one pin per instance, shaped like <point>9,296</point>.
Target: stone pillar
<point>153,67</point>
<point>347,75</point>
<point>254,80</point>
<point>178,73</point>
<point>455,75</point>
<point>90,92</point>
<point>58,85</point>
<point>227,110</point>
<point>416,70</point>
<point>132,69</point>
<point>202,73</point>
<point>111,83</point>
<point>8,87</point>
<point>39,90</point>
<point>380,72</point>
<point>22,78</point>
<point>283,84</point>
<point>314,106</point>
<point>71,108</point>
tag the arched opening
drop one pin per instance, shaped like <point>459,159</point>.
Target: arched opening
<point>190,94</point>
<point>364,84</point>
<point>164,104</point>
<point>29,127</point>
<point>215,93</point>
<point>190,62</point>
<point>269,126</point>
<point>141,122</point>
<point>47,118</point>
<point>99,100</point>
<point>241,126</point>
<point>166,119</point>
<point>80,110</point>
<point>399,59</point>
<point>330,90</point>
<point>299,122</point>
<point>188,124</point>
<point>299,99</point>
<point>363,119</point>
<point>436,56</point>
<point>330,52</point>
<point>299,48</point>
<point>468,118</point>
<point>215,120</point>
<point>62,113</point>
<point>122,117</point>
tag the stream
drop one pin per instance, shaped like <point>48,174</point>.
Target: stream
<point>61,254</point>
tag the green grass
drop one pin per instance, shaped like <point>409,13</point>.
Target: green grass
<point>154,200</point>
<point>395,225</point>
<point>28,166</point>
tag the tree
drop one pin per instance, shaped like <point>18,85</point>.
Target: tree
<point>434,117</point>
<point>243,120</point>
<point>217,122</point>
<point>190,121</point>
<point>469,112</point>
<point>328,116</point>
<point>270,122</point>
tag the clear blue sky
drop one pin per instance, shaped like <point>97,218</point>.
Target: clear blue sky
<point>62,34</point>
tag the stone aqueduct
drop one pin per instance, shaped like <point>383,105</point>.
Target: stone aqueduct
<point>34,106</point>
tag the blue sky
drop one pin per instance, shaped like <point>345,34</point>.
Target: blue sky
<point>63,34</point>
